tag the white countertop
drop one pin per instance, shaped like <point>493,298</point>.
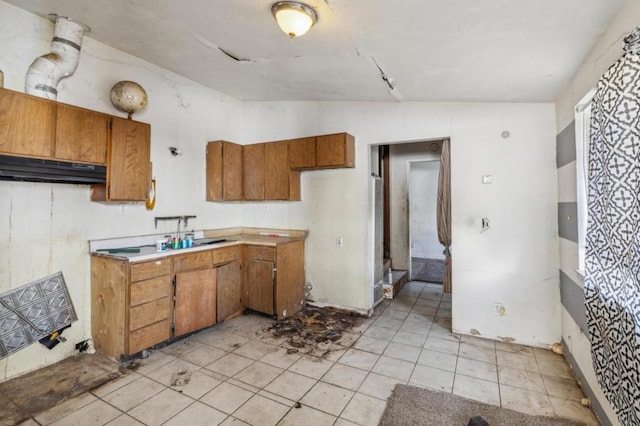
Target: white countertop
<point>146,245</point>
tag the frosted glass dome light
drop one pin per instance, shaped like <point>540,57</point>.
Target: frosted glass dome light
<point>294,18</point>
<point>128,97</point>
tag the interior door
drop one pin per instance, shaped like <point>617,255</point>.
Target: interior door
<point>260,274</point>
<point>229,288</point>
<point>195,300</point>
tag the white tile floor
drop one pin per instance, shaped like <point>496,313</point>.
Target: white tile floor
<point>238,373</point>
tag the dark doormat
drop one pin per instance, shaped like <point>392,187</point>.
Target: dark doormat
<point>411,405</point>
<point>429,270</point>
<point>27,395</point>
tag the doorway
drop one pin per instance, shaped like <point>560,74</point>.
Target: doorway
<point>425,251</point>
<point>389,193</point>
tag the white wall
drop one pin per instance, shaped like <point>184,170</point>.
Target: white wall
<point>400,155</point>
<point>45,228</point>
<point>515,262</point>
<point>423,203</point>
<point>604,53</point>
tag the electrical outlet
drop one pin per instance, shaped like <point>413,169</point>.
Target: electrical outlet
<point>339,242</point>
<point>499,309</point>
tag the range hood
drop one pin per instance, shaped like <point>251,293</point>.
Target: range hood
<point>52,171</point>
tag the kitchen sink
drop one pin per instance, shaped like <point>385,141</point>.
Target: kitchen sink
<point>208,241</point>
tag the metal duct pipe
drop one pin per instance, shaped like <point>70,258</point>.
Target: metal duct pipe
<point>47,70</point>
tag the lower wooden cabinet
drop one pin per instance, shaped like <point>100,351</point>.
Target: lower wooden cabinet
<point>229,290</point>
<point>138,305</point>
<point>275,279</point>
<point>195,301</point>
<point>260,284</point>
<point>131,304</point>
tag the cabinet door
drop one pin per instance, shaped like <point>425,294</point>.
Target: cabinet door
<point>195,300</point>
<point>229,289</point>
<point>259,285</point>
<point>128,168</point>
<point>232,171</point>
<point>335,150</point>
<point>277,171</point>
<point>81,135</point>
<point>303,153</point>
<point>253,171</point>
<point>224,171</point>
<point>289,283</point>
<point>27,124</point>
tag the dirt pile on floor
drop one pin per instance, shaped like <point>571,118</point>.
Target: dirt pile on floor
<point>317,331</point>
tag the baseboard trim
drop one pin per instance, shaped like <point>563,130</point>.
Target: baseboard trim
<point>357,311</point>
<point>584,384</point>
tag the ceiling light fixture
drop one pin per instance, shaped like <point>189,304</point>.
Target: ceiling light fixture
<point>294,18</point>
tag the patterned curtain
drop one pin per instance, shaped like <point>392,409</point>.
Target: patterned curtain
<point>612,260</point>
<point>444,211</point>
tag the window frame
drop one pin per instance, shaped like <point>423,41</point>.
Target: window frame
<point>583,140</point>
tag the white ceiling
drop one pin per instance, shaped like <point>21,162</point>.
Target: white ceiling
<point>432,50</point>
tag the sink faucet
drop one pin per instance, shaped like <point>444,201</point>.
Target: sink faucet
<point>180,220</point>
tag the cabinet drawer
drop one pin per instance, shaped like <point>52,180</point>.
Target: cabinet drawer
<point>261,253</point>
<point>197,260</point>
<point>149,336</point>
<point>146,270</point>
<point>142,315</point>
<point>225,255</point>
<point>146,291</point>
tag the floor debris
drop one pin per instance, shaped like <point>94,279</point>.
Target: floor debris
<point>27,395</point>
<point>180,378</point>
<point>317,331</point>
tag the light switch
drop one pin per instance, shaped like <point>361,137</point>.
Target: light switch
<point>487,179</point>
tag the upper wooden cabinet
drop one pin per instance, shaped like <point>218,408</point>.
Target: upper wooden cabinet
<point>253,172</point>
<point>41,128</point>
<point>81,135</point>
<point>224,171</point>
<point>128,166</point>
<point>303,153</point>
<point>27,125</point>
<point>250,172</point>
<point>280,182</point>
<point>323,152</point>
